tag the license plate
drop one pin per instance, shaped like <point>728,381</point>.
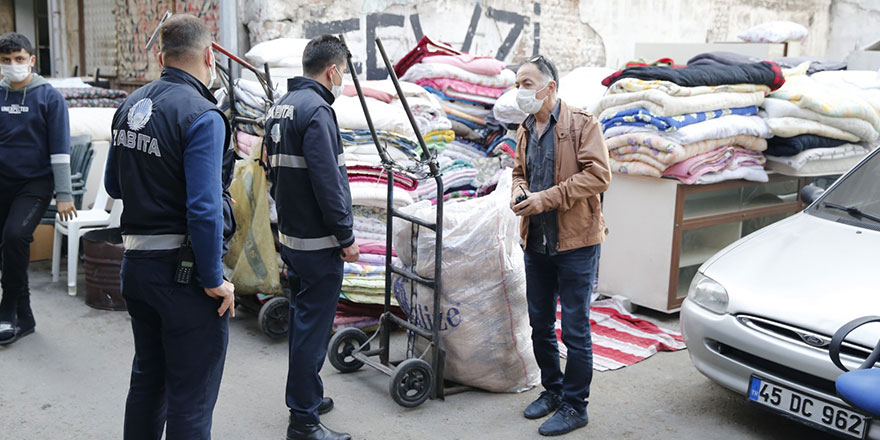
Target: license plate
<point>804,407</point>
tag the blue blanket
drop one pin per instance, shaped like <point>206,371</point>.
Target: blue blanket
<point>642,117</point>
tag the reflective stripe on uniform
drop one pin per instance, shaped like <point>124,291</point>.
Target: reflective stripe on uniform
<point>308,244</point>
<point>59,158</point>
<point>152,242</point>
<point>294,161</point>
<point>287,161</point>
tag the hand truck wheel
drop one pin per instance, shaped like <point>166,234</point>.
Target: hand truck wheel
<point>343,343</point>
<point>411,383</point>
<point>273,317</point>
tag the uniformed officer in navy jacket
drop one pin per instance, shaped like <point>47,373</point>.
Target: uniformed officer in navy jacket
<point>313,199</point>
<point>165,164</point>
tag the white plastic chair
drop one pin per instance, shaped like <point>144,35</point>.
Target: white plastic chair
<point>85,221</point>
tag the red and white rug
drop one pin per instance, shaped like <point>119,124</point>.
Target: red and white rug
<point>621,339</point>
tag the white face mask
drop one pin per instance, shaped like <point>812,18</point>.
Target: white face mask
<point>15,72</point>
<point>337,90</point>
<point>526,101</point>
<point>213,70</point>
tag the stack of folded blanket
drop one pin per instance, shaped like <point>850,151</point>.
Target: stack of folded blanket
<point>386,109</point>
<point>697,124</point>
<point>363,282</point>
<point>822,124</point>
<point>468,87</point>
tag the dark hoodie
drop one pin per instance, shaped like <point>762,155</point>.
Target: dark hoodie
<point>35,134</point>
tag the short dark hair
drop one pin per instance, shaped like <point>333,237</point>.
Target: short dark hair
<point>183,36</point>
<point>13,42</point>
<point>322,52</point>
<point>545,66</point>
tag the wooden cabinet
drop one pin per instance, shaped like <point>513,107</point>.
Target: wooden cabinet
<point>661,231</point>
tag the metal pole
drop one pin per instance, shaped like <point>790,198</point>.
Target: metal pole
<point>229,27</point>
<point>426,155</point>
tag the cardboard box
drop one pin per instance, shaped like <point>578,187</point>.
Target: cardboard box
<point>865,59</point>
<point>41,247</point>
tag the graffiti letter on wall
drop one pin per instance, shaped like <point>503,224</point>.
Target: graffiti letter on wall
<point>375,21</point>
<point>518,22</point>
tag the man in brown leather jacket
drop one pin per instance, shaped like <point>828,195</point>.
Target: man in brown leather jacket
<point>561,167</point>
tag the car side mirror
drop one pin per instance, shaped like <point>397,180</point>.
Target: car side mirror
<point>811,193</point>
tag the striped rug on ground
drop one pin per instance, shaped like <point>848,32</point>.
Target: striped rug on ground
<point>621,339</point>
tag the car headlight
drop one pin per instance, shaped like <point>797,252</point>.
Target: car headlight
<point>709,294</point>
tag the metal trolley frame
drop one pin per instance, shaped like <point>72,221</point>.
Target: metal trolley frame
<point>413,380</point>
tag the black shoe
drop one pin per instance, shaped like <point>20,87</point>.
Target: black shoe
<point>8,321</point>
<point>545,404</point>
<point>26,322</point>
<point>325,406</point>
<point>296,431</point>
<point>565,420</point>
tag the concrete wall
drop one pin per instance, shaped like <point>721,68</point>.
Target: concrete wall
<point>573,33</point>
<point>854,25</point>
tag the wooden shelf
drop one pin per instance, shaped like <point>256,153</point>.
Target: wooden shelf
<point>664,231</point>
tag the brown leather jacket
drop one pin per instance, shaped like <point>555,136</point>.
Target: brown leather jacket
<point>582,173</point>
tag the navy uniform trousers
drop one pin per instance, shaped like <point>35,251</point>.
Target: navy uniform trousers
<point>311,320</point>
<point>180,347</point>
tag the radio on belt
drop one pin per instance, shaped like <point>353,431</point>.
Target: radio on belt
<point>186,261</point>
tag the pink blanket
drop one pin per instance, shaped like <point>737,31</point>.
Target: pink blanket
<point>450,86</point>
<point>727,157</point>
<point>373,247</point>
<point>369,93</point>
<point>479,65</point>
<point>247,142</point>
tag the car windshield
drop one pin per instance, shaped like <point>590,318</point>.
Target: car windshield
<point>856,198</point>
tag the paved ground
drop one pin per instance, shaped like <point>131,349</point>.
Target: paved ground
<point>69,381</point>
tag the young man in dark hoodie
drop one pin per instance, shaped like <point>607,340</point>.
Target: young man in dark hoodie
<point>34,163</point>
<point>310,186</point>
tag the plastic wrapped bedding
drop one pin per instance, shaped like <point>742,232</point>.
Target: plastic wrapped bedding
<point>485,328</point>
<point>95,122</point>
<point>661,104</point>
<point>506,110</point>
<point>779,108</point>
<point>278,52</point>
<point>811,94</point>
<point>582,87</point>
<point>725,126</point>
<point>819,161</point>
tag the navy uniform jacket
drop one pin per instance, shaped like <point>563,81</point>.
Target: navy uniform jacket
<point>165,163</point>
<point>307,169</point>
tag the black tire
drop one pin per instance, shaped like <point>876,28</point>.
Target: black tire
<point>411,383</point>
<point>273,317</point>
<point>343,343</point>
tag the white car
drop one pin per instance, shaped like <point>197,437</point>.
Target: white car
<point>760,314</point>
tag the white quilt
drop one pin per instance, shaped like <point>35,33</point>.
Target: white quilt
<point>790,127</point>
<point>780,108</point>
<point>819,161</point>
<point>662,104</point>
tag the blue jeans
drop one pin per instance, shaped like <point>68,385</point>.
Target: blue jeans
<point>312,310</point>
<point>180,347</point>
<point>568,278</point>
